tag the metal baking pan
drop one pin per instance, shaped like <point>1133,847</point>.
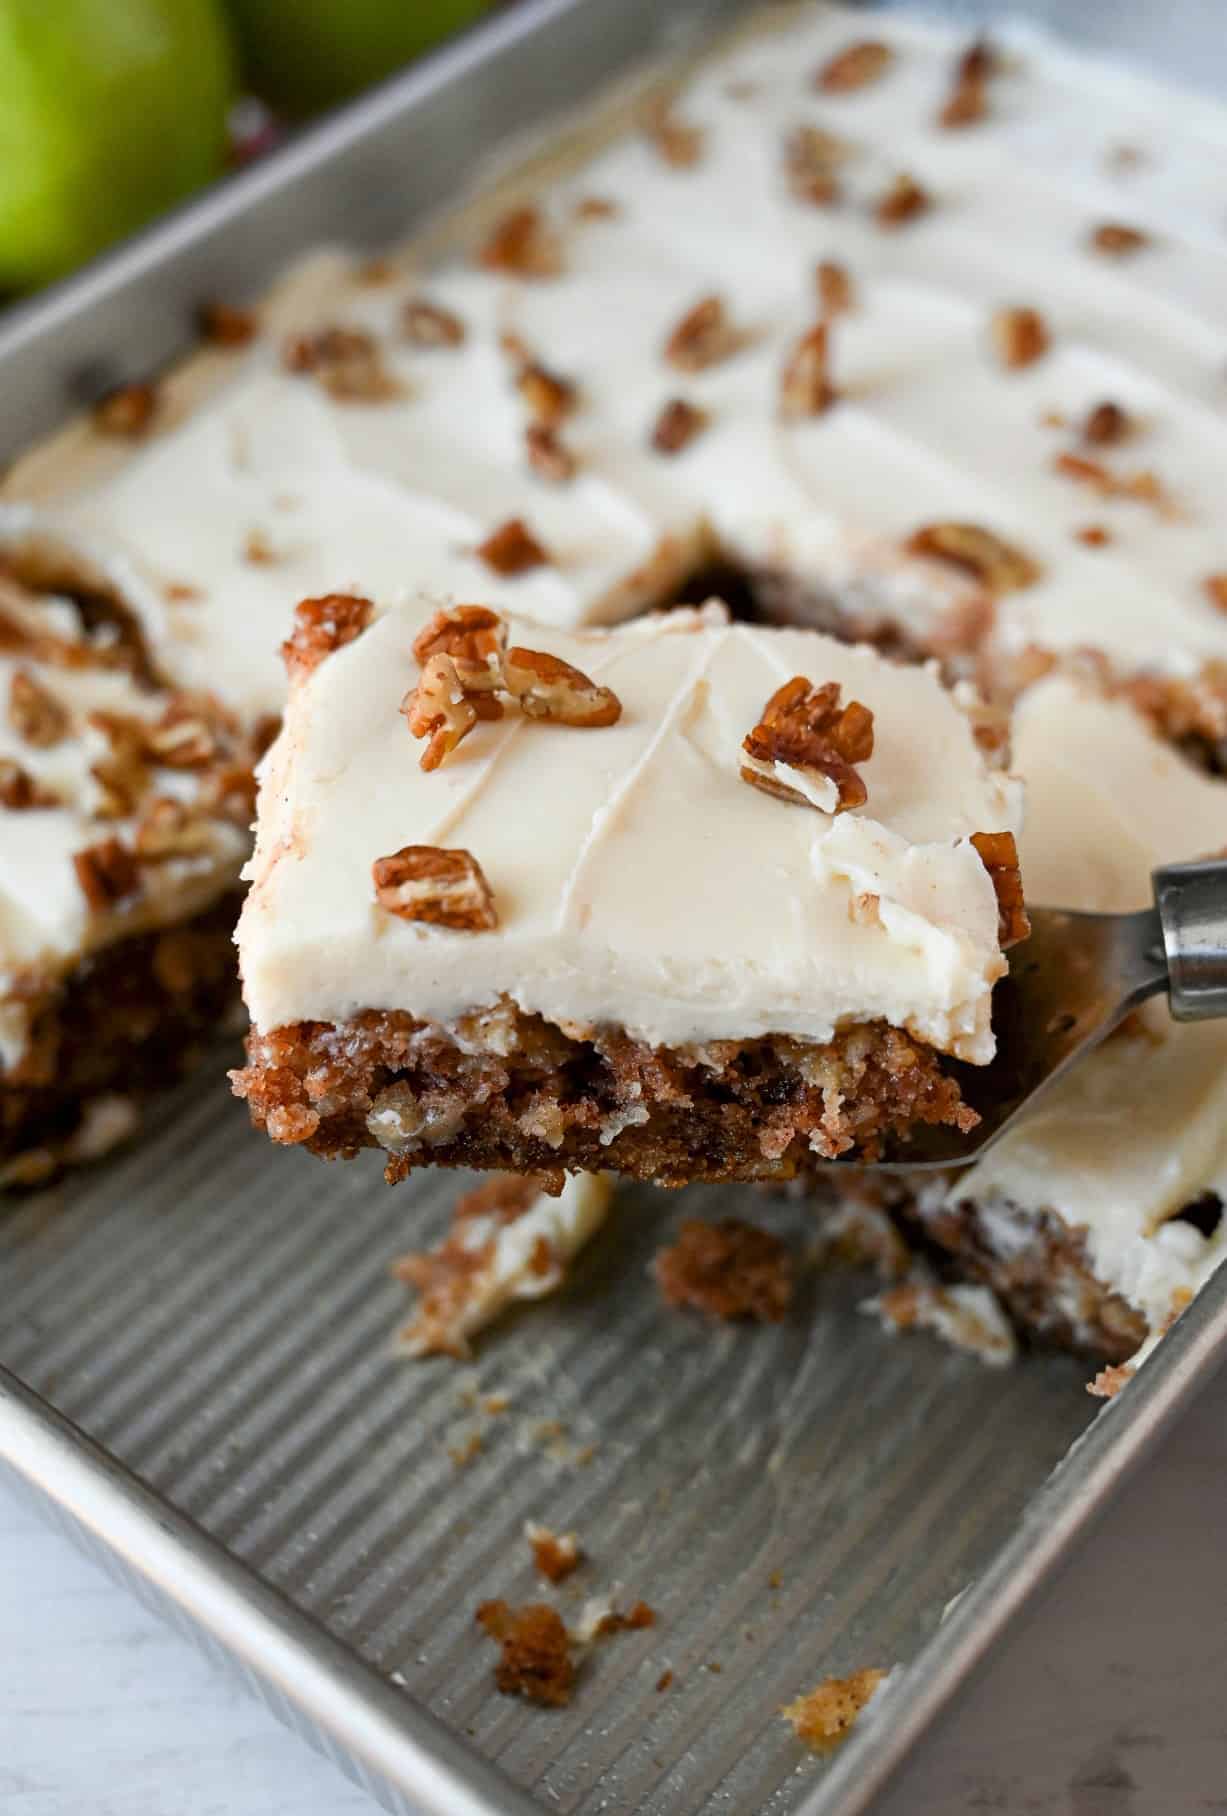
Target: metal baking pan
<point>197,1378</point>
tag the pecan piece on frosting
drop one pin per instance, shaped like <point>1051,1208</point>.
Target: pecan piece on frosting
<point>446,888</point>
<point>1020,336</point>
<point>547,395</point>
<point>168,828</point>
<point>345,361</point>
<point>999,855</point>
<point>677,142</point>
<point>19,791</point>
<point>107,872</point>
<point>546,687</point>
<point>999,565</point>
<point>129,410</point>
<point>703,337</point>
<point>439,710</point>
<point>836,292</point>
<point>901,202</point>
<point>805,386</point>
<point>856,66</point>
<point>227,326</point>
<point>35,715</point>
<point>522,242</point>
<point>511,548</point>
<point>1116,240</point>
<point>807,730</point>
<point>1216,590</point>
<point>548,455</point>
<point>428,324</point>
<point>1105,425</point>
<point>812,157</point>
<point>967,101</point>
<point>677,425</point>
<point>321,626</point>
<point>473,636</point>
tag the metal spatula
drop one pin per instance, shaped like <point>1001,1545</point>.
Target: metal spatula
<point>1075,979</point>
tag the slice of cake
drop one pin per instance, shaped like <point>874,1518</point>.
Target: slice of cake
<point>687,900</point>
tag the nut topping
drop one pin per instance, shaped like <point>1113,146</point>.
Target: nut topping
<point>429,325</point>
<point>107,873</point>
<point>812,158</point>
<point>126,411</point>
<point>805,388</point>
<point>806,730</point>
<point>1105,425</point>
<point>473,636</point>
<point>345,361</point>
<point>1216,590</point>
<point>227,326</point>
<point>677,425</point>
<point>19,792</point>
<point>522,243</point>
<point>35,715</point>
<point>1117,241</point>
<point>902,202</point>
<point>322,626</point>
<point>548,396</point>
<point>548,688</point>
<point>443,888</point>
<point>596,208</point>
<point>439,710</point>
<point>168,828</point>
<point>511,548</point>
<point>703,337</point>
<point>1020,336</point>
<point>999,855</point>
<point>967,102</point>
<point>548,456</point>
<point>676,141</point>
<point>1143,486</point>
<point>1000,566</point>
<point>836,293</point>
<point>183,737</point>
<point>854,67</point>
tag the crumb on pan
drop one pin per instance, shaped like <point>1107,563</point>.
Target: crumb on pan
<point>826,1715</point>
<point>728,1270</point>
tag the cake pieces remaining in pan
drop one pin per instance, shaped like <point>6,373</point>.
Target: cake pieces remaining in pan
<point>686,900</point>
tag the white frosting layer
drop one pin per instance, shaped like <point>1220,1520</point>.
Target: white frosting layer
<point>638,880</point>
<point>1140,1128</point>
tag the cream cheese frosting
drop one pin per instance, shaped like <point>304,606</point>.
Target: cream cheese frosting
<point>391,497</point>
<point>1140,1128</point>
<point>638,880</point>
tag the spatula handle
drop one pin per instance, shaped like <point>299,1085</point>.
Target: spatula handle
<point>1192,904</point>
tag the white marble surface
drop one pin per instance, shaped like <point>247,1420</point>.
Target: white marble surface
<point>1107,1699</point>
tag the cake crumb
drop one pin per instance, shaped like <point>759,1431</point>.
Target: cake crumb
<point>663,1682</point>
<point>825,1716</point>
<point>536,1660</point>
<point>728,1270</point>
<point>555,1554</point>
<point>1109,1381</point>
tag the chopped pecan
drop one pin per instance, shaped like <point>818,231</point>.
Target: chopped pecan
<point>999,565</point>
<point>185,736</point>
<point>511,548</point>
<point>168,828</point>
<point>122,776</point>
<point>703,336</point>
<point>227,326</point>
<point>19,792</point>
<point>473,636</point>
<point>856,66</point>
<point>677,425</point>
<point>812,157</point>
<point>1020,336</point>
<point>1105,425</point>
<point>322,626</point>
<point>548,396</point>
<point>536,1660</point>
<point>999,855</point>
<point>901,202</point>
<point>258,550</point>
<point>35,715</point>
<point>428,324</point>
<point>108,874</point>
<point>129,410</point>
<point>676,141</point>
<point>805,387</point>
<point>1216,590</point>
<point>346,361</point>
<point>806,729</point>
<point>522,242</point>
<point>546,687</point>
<point>443,888</point>
<point>1117,241</point>
<point>1143,486</point>
<point>1093,535</point>
<point>836,292</point>
<point>967,101</point>
<point>548,455</point>
<point>439,710</point>
<point>596,208</point>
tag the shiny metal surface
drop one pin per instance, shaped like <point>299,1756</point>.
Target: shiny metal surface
<point>1192,905</point>
<point>202,1390</point>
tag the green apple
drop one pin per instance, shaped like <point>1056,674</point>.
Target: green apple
<point>301,55</point>
<point>110,110</point>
